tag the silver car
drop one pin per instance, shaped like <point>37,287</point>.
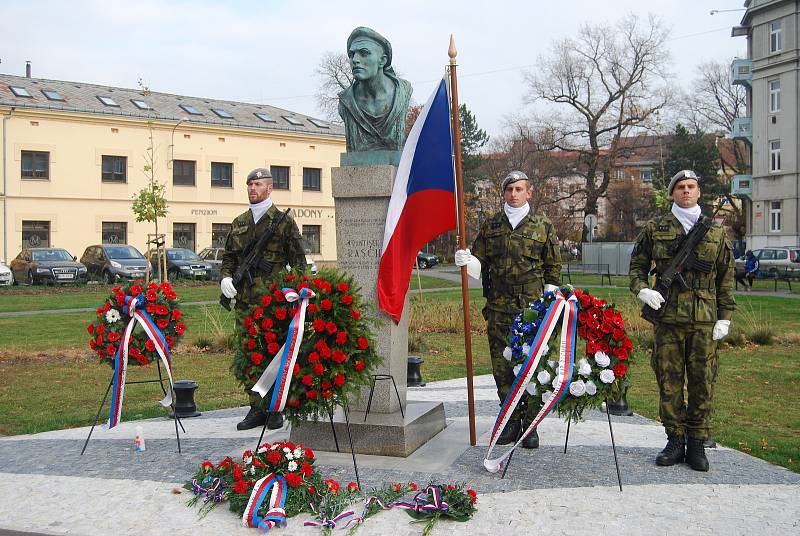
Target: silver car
<point>774,259</point>
<point>6,277</point>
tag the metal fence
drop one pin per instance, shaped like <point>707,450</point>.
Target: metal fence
<point>617,255</point>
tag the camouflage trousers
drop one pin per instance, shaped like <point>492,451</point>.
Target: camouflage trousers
<point>687,354</point>
<point>498,324</point>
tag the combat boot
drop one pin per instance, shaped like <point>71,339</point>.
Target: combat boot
<point>531,441</point>
<point>673,453</point>
<point>255,418</point>
<point>274,420</point>
<point>510,433</point>
<point>696,455</point>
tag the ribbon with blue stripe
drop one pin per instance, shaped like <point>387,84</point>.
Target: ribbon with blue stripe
<point>276,515</point>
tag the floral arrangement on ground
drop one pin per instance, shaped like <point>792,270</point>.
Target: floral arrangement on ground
<point>598,375</point>
<point>336,355</point>
<point>330,503</point>
<point>160,302</point>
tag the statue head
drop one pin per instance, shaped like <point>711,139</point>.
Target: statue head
<point>369,53</point>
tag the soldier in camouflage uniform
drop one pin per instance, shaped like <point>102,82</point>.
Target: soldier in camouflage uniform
<point>685,339</point>
<point>516,253</point>
<point>284,248</point>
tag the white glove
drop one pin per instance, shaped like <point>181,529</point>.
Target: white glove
<point>550,288</point>
<point>721,329</point>
<point>227,288</point>
<point>652,298</point>
<point>463,257</point>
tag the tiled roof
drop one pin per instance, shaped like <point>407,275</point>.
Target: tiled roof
<point>84,98</point>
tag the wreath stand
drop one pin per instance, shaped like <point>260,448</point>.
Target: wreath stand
<point>159,381</point>
<point>566,441</point>
<point>329,409</point>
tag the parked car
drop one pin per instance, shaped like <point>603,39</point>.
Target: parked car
<point>213,256</point>
<point>426,260</point>
<point>114,262</point>
<point>183,263</point>
<point>772,259</point>
<point>6,277</point>
<point>47,265</point>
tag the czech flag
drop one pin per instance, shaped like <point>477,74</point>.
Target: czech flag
<point>423,203</point>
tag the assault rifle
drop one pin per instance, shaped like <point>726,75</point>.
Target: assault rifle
<point>684,259</point>
<point>253,258</point>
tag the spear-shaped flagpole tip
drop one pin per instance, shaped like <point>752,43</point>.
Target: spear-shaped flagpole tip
<point>451,51</point>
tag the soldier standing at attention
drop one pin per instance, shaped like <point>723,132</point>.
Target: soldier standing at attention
<point>686,335</point>
<point>284,248</point>
<point>517,251</point>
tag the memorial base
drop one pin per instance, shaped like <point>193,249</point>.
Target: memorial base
<point>383,434</point>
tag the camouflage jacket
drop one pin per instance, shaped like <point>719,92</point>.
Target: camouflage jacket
<point>516,263</point>
<point>711,295</point>
<point>285,247</point>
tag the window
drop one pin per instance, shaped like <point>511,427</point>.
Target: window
<point>781,255</point>
<point>775,155</point>
<point>222,113</point>
<point>52,95</point>
<point>292,120</point>
<point>775,37</point>
<point>183,235</point>
<point>35,165</point>
<point>189,109</point>
<point>115,168</point>
<point>311,179</point>
<point>108,101</point>
<point>646,175</point>
<point>774,216</point>
<point>320,124</point>
<point>142,105</point>
<point>35,234</point>
<point>183,172</point>
<point>311,238</point>
<point>280,177</point>
<point>219,233</point>
<point>20,92</point>
<point>774,96</point>
<point>115,232</point>
<point>619,174</point>
<point>265,117</point>
<point>221,175</point>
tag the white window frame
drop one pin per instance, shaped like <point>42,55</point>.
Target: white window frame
<point>775,37</point>
<point>774,96</point>
<point>774,156</point>
<point>775,216</point>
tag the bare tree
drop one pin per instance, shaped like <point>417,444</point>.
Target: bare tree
<point>334,76</point>
<point>606,83</point>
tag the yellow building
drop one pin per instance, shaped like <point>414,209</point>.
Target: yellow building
<point>73,156</point>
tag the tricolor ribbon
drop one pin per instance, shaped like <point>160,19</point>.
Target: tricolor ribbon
<point>330,522</point>
<point>214,493</point>
<point>276,515</point>
<point>278,374</point>
<point>566,362</point>
<point>421,503</point>
<point>136,315</point>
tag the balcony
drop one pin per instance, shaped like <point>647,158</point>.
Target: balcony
<point>743,129</point>
<point>742,72</point>
<point>742,186</point>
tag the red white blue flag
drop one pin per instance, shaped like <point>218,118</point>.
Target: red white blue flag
<point>423,203</point>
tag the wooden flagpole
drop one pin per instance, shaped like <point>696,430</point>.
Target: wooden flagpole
<point>462,236</point>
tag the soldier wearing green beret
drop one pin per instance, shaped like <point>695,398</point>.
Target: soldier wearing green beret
<point>516,252</point>
<point>686,335</point>
<point>284,248</point>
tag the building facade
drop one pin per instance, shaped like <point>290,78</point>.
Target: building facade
<point>771,72</point>
<point>74,155</point>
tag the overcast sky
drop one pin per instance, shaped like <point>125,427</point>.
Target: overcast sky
<point>267,51</point>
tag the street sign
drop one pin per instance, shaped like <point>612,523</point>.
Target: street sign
<point>590,221</point>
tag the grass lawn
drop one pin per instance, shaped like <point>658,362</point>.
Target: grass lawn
<point>51,380</point>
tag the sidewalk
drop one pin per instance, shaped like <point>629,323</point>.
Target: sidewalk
<point>48,488</point>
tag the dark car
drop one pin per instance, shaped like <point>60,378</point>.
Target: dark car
<point>183,263</point>
<point>426,260</point>
<point>213,256</point>
<point>114,262</point>
<point>47,265</point>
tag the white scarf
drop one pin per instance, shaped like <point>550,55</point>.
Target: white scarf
<point>687,216</point>
<point>259,209</point>
<point>516,215</point>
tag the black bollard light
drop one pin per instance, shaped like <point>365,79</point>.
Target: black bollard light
<point>414,376</point>
<point>184,399</point>
<point>620,405</point>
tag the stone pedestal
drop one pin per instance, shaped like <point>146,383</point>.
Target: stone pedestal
<point>362,194</point>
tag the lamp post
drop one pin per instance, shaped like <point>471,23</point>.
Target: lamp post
<point>172,141</point>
